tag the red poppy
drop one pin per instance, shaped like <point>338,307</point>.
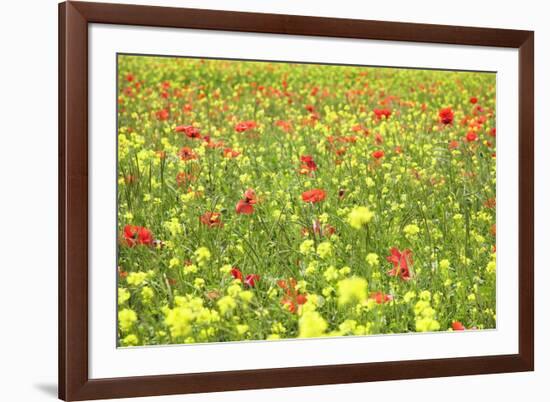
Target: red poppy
<point>493,132</point>
<point>187,154</point>
<point>378,154</point>
<point>308,164</point>
<point>246,205</point>
<point>446,116</point>
<point>471,136</point>
<point>122,273</point>
<point>245,125</point>
<point>380,297</point>
<point>250,196</point>
<point>230,153</point>
<point>327,230</point>
<point>292,297</point>
<point>211,219</point>
<point>135,235</point>
<point>213,144</point>
<point>310,108</point>
<point>453,144</point>
<point>236,273</point>
<point>130,77</point>
<point>163,114</point>
<point>284,125</point>
<point>251,280</point>
<point>401,263</point>
<point>182,179</point>
<point>379,113</point>
<point>457,326</point>
<point>189,131</point>
<point>358,128</point>
<point>490,203</point>
<point>473,100</point>
<point>244,208</point>
<point>314,195</point>
<point>340,151</point>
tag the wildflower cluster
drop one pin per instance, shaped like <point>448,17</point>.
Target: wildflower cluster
<point>277,200</point>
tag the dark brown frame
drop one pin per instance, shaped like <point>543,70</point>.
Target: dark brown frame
<point>74,383</point>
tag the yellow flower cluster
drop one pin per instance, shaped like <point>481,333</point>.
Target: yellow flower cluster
<point>359,217</point>
<point>425,314</point>
<point>352,290</point>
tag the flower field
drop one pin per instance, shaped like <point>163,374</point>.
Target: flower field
<point>262,201</point>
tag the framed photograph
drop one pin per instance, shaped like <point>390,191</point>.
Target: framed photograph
<point>261,200</point>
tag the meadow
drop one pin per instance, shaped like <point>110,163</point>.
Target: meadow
<point>263,201</point>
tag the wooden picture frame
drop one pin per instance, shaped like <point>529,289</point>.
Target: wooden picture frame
<point>74,381</point>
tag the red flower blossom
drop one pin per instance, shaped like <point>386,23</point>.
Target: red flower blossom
<point>189,131</point>
<point>490,203</point>
<point>292,297</point>
<point>316,228</point>
<point>446,116</point>
<point>245,125</point>
<point>230,153</point>
<point>379,113</point>
<point>244,208</point>
<point>380,297</point>
<point>211,219</point>
<point>310,108</point>
<point>493,132</point>
<point>358,128</point>
<point>471,136</point>
<point>314,195</point>
<point>378,154</point>
<point>453,144</point>
<point>130,77</point>
<point>163,114</point>
<point>236,273</point>
<point>308,164</point>
<point>401,263</point>
<point>473,100</point>
<point>187,154</point>
<point>251,280</point>
<point>457,326</point>
<point>182,179</point>
<point>246,205</point>
<point>122,273</point>
<point>135,235</point>
<point>284,125</point>
<point>213,144</point>
<point>250,196</point>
